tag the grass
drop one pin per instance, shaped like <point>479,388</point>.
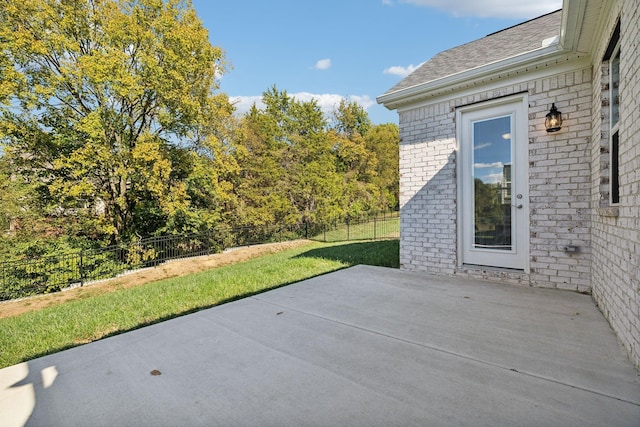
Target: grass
<point>73,323</point>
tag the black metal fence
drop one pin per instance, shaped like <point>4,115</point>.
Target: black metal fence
<point>53,273</point>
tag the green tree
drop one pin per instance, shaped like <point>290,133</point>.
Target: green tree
<point>384,141</point>
<point>288,169</point>
<point>314,179</point>
<point>18,199</point>
<point>350,118</point>
<point>260,185</point>
<point>205,171</point>
<point>356,163</point>
<point>489,210</point>
<point>100,97</point>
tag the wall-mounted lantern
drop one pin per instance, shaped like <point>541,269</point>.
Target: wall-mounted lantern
<point>553,122</point>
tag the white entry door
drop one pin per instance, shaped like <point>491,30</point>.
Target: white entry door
<point>493,213</point>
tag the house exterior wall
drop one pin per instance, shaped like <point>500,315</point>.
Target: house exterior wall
<point>569,178</point>
<point>428,189</point>
<point>559,178</point>
<point>616,229</point>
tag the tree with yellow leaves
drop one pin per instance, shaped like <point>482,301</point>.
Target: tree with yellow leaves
<point>104,101</point>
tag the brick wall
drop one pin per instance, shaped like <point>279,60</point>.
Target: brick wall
<point>616,229</point>
<point>559,176</point>
<point>568,183</point>
<point>428,189</point>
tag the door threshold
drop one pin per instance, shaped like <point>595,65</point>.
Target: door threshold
<point>492,268</point>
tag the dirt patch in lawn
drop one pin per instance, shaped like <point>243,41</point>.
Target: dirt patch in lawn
<point>167,270</point>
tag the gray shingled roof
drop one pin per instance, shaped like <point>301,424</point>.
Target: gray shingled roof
<point>503,44</point>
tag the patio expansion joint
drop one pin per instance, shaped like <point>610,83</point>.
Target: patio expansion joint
<point>452,353</point>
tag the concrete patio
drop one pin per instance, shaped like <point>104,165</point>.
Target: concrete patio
<point>366,346</point>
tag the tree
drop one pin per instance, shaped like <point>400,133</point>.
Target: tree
<point>260,187</point>
<point>488,208</point>
<point>18,199</point>
<point>384,141</point>
<point>98,99</point>
<point>314,179</point>
<point>288,167</point>
<point>356,163</point>
<point>350,118</point>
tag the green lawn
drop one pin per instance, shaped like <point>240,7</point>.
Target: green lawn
<point>59,327</point>
<point>382,228</point>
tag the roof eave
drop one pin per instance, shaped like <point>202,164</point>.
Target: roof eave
<point>572,17</point>
<point>516,64</point>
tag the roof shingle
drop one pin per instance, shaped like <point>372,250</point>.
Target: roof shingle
<point>503,44</point>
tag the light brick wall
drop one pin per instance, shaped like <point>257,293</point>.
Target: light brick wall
<point>428,189</point>
<point>616,230</point>
<point>568,184</point>
<point>559,177</point>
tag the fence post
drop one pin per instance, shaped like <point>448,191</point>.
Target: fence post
<point>81,270</point>
<point>348,231</point>
<point>306,230</point>
<point>374,228</point>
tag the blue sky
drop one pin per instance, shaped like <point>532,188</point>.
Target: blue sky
<point>353,49</point>
<point>491,149</point>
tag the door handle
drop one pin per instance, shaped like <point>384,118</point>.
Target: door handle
<point>517,206</point>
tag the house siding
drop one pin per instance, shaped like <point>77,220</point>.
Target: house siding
<point>616,229</point>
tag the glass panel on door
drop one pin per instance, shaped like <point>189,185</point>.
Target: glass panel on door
<point>492,160</point>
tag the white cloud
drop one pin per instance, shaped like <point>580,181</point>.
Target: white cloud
<point>327,102</point>
<point>323,64</point>
<point>365,101</point>
<point>512,9</point>
<point>399,70</point>
<point>244,103</point>
<point>487,165</point>
<point>387,2</point>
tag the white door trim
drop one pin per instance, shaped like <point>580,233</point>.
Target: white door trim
<point>517,107</point>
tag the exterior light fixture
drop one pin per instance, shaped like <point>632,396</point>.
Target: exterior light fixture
<point>553,122</point>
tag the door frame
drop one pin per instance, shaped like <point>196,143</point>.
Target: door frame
<point>518,259</point>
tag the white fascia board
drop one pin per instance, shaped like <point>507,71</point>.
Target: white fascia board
<point>523,63</point>
<point>572,18</point>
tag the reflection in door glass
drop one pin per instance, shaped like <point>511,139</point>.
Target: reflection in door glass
<point>492,183</point>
